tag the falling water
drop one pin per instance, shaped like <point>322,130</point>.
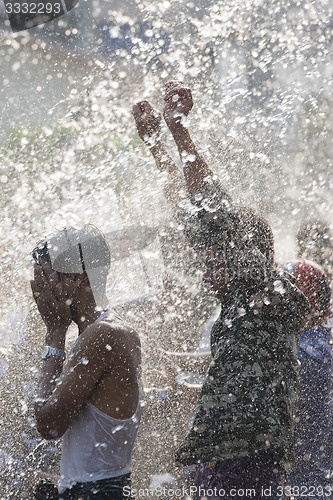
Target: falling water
<point>261,77</point>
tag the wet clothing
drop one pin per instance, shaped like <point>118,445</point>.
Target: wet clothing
<point>117,488</point>
<point>96,446</point>
<point>46,490</point>
<point>247,401</point>
<point>260,476</point>
<point>314,423</point>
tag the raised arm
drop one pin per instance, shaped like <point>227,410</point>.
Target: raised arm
<point>178,102</point>
<point>148,124</point>
<point>215,221</point>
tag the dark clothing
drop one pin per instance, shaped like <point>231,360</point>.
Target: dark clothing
<point>45,490</point>
<point>246,405</point>
<point>260,476</point>
<point>314,423</point>
<point>105,489</point>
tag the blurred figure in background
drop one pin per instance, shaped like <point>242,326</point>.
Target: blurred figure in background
<point>315,242</point>
<point>314,419</point>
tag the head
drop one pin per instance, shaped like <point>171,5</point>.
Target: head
<point>216,273</point>
<point>79,255</point>
<point>314,241</point>
<point>313,283</point>
<point>257,230</point>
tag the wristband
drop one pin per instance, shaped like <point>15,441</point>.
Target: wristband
<point>49,351</point>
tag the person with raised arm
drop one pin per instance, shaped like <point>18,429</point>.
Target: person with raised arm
<point>91,401</point>
<point>242,434</point>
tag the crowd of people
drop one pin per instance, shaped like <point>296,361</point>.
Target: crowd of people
<point>263,417</point>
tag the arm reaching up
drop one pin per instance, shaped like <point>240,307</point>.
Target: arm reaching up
<point>148,124</point>
<point>178,102</point>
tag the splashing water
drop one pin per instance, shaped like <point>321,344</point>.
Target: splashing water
<point>69,155</point>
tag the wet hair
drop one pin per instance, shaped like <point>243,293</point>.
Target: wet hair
<point>259,230</point>
<point>74,250</point>
<point>315,234</point>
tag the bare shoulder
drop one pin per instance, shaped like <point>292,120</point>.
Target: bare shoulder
<point>119,330</point>
<point>114,336</point>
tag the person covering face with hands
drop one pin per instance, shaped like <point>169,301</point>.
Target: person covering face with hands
<point>93,400</point>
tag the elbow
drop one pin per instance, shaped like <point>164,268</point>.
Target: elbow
<point>48,426</point>
<point>49,433</point>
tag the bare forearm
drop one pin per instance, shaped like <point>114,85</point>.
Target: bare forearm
<point>163,160</point>
<point>51,371</point>
<point>174,189</point>
<point>148,124</point>
<point>178,103</point>
<point>52,367</point>
<point>195,168</point>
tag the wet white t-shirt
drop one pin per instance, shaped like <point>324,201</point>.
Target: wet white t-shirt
<point>97,446</point>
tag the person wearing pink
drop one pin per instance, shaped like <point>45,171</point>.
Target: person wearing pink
<point>312,475</point>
